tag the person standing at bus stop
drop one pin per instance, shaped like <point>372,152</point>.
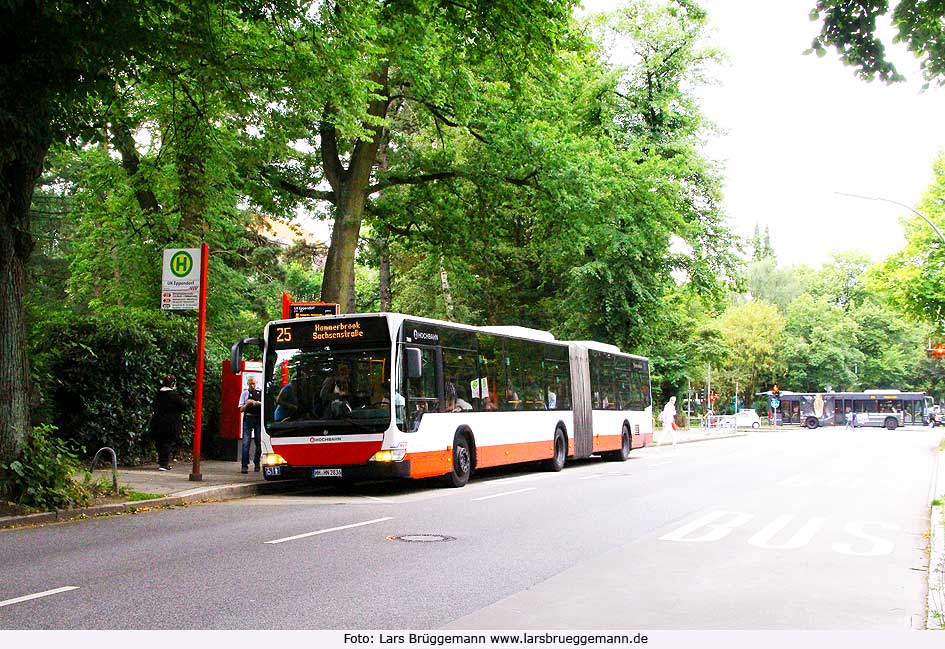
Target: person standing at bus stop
<point>251,407</point>
<point>166,422</point>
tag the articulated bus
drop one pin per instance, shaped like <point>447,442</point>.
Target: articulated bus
<point>879,408</point>
<point>386,395</point>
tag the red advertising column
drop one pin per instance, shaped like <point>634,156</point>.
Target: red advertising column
<point>195,475</point>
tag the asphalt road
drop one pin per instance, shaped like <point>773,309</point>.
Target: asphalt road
<point>791,530</point>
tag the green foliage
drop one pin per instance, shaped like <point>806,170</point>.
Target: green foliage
<point>915,277</point>
<point>753,333</point>
<point>43,475</point>
<point>851,28</point>
<point>98,374</point>
<point>821,345</point>
<point>768,282</point>
<point>595,174</point>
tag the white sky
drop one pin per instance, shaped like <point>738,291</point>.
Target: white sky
<point>796,129</point>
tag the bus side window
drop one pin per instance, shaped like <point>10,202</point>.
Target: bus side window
<point>459,367</point>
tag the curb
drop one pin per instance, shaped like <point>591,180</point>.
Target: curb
<point>197,495</point>
<point>705,438</point>
<point>935,609</point>
<point>209,494</point>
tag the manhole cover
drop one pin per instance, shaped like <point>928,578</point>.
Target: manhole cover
<point>421,538</point>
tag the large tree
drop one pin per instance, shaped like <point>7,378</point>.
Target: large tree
<point>580,200</point>
<point>55,56</point>
<point>427,62</point>
<point>753,333</point>
<point>64,74</point>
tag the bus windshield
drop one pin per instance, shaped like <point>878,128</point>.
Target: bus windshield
<point>341,391</point>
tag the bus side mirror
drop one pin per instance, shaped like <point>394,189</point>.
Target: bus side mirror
<point>414,363</point>
<point>236,353</point>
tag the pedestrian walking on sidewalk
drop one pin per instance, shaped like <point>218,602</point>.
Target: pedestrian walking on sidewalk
<point>668,421</point>
<point>251,407</point>
<point>166,422</point>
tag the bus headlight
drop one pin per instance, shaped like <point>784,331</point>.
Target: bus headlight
<point>395,455</point>
<point>273,459</point>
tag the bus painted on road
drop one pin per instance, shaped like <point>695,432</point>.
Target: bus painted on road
<point>390,395</point>
<point>888,409</point>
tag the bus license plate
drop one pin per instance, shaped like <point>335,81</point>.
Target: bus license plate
<point>272,471</point>
<point>326,473</point>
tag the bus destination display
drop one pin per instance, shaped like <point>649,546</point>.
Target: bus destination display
<point>317,332</point>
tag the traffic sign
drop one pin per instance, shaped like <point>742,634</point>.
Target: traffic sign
<point>180,279</point>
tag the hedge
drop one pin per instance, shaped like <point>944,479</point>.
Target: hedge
<point>97,375</point>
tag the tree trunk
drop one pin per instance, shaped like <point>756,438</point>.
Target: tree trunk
<point>339,265</point>
<point>192,154</point>
<point>350,188</point>
<point>17,181</point>
<point>124,143</point>
<point>385,274</point>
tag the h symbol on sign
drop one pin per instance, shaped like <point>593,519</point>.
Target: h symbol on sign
<point>181,264</point>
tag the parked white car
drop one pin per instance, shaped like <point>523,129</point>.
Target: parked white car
<point>747,418</point>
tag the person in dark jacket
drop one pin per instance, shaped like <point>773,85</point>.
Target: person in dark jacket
<point>166,422</point>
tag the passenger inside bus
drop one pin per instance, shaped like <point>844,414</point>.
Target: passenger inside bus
<point>334,394</point>
<point>287,403</point>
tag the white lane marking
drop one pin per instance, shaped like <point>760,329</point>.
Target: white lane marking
<point>880,547</point>
<point>332,529</point>
<point>593,476</point>
<point>380,500</point>
<point>523,478</point>
<point>715,531</point>
<point>800,538</point>
<point>45,593</point>
<point>505,493</point>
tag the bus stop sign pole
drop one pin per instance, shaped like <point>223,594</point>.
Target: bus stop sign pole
<point>195,475</point>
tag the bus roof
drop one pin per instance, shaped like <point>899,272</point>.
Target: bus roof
<point>513,331</point>
<point>865,393</point>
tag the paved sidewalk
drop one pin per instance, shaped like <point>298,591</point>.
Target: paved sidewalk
<point>221,481</point>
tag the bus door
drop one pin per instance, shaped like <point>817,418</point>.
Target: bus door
<point>423,392</point>
<point>840,411</point>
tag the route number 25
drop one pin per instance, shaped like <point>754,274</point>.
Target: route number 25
<point>283,334</point>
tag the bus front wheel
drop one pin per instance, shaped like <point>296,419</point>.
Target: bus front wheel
<point>556,463</point>
<point>812,423</point>
<point>890,423</point>
<point>462,462</point>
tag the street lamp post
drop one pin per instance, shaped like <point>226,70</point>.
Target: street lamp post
<point>908,207</point>
<point>938,350</point>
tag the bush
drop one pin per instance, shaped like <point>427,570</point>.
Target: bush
<point>98,374</point>
<point>43,474</point>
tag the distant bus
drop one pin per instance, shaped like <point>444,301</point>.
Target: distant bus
<point>463,398</point>
<point>879,408</point>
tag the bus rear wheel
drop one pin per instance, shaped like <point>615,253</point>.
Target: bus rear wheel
<point>890,423</point>
<point>812,423</point>
<point>624,453</point>
<point>462,462</point>
<point>556,463</point>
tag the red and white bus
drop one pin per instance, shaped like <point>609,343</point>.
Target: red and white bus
<point>463,398</point>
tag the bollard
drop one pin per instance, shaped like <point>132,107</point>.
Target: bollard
<point>114,466</point>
